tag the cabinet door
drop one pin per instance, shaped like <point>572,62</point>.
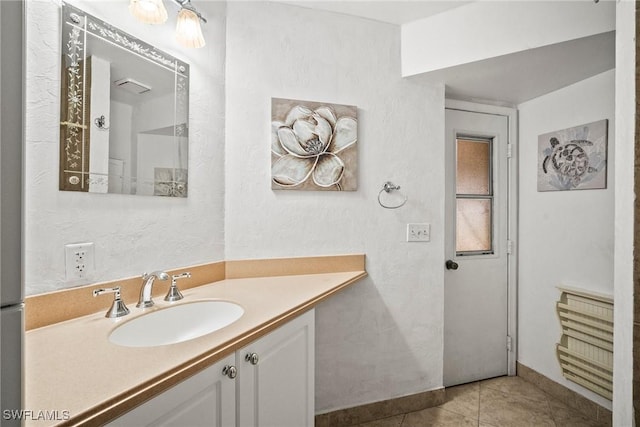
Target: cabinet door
<point>205,399</point>
<point>278,390</point>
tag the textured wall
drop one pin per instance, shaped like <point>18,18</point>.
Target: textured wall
<point>636,236</point>
<point>626,387</point>
<point>566,237</point>
<point>132,234</point>
<point>383,337</point>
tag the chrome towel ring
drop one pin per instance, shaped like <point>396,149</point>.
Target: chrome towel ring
<point>387,188</point>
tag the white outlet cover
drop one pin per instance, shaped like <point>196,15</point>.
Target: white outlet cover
<point>418,232</point>
<point>79,262</point>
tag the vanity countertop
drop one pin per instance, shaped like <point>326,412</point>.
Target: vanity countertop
<point>73,371</point>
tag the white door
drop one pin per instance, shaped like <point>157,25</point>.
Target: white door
<point>476,227</point>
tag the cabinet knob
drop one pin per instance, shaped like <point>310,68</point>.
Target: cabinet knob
<point>230,371</point>
<point>252,357</point>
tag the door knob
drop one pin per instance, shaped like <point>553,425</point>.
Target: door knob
<point>451,265</point>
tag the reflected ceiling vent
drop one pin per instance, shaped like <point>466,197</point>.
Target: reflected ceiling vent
<point>132,86</point>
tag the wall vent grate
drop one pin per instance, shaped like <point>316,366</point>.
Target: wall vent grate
<point>585,350</point>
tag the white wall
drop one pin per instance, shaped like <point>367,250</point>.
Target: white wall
<point>154,151</point>
<point>155,113</point>
<point>119,145</point>
<point>100,106</point>
<point>381,338</point>
<point>566,237</point>
<point>626,105</point>
<point>132,234</point>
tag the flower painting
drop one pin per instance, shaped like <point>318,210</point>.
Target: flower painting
<point>313,146</point>
<point>170,182</point>
<point>574,158</point>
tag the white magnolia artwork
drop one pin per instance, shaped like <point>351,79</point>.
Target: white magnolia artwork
<point>170,182</point>
<point>574,158</point>
<point>313,145</point>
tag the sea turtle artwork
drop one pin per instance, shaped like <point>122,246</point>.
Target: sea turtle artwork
<point>573,158</point>
<point>569,160</point>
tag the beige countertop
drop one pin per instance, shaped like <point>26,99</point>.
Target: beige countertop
<point>73,369</point>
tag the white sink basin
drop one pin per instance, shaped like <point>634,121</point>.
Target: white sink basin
<point>176,324</point>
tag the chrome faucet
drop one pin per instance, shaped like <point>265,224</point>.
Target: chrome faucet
<point>145,300</point>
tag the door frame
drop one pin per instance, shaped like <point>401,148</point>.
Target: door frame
<point>512,217</point>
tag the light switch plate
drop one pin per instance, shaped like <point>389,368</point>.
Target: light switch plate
<point>418,232</point>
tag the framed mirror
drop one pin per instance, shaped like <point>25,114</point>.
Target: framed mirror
<point>124,112</point>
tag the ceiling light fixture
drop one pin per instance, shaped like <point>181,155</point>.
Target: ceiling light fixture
<point>188,30</point>
<point>148,11</point>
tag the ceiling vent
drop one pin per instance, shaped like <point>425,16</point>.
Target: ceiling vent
<point>132,86</point>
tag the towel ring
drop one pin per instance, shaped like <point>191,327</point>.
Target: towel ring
<point>101,122</point>
<point>388,187</point>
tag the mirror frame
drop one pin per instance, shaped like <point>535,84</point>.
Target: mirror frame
<point>75,124</point>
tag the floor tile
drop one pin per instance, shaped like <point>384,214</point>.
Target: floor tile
<point>497,402</point>
<point>565,416</point>
<point>385,422</point>
<point>515,386</point>
<point>437,417</point>
<point>509,409</point>
<point>605,417</point>
<point>463,400</point>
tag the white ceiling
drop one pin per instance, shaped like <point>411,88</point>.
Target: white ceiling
<point>519,77</point>
<point>390,11</point>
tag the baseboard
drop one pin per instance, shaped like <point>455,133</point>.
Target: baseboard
<point>383,409</point>
<point>565,395</point>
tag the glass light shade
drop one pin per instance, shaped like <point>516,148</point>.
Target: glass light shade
<point>148,11</point>
<point>188,31</point>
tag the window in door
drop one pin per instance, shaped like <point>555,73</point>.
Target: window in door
<point>474,196</point>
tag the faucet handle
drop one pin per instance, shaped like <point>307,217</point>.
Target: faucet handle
<point>184,275</point>
<point>174,293</point>
<point>118,308</point>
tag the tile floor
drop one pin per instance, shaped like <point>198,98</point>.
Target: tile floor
<point>498,402</point>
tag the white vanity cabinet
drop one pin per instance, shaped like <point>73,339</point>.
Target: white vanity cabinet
<point>275,383</point>
<point>269,383</point>
<point>205,399</point>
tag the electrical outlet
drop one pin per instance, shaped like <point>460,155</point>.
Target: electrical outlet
<point>79,261</point>
<point>418,232</point>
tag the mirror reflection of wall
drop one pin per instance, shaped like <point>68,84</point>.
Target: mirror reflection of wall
<point>132,234</point>
<point>124,114</point>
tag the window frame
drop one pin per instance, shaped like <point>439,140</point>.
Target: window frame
<point>490,140</point>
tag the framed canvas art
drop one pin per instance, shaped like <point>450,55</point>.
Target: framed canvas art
<point>313,146</point>
<point>573,158</point>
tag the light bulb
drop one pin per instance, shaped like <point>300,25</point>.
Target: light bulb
<point>148,11</point>
<point>188,31</point>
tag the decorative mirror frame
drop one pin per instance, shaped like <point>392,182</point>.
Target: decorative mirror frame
<point>75,123</point>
